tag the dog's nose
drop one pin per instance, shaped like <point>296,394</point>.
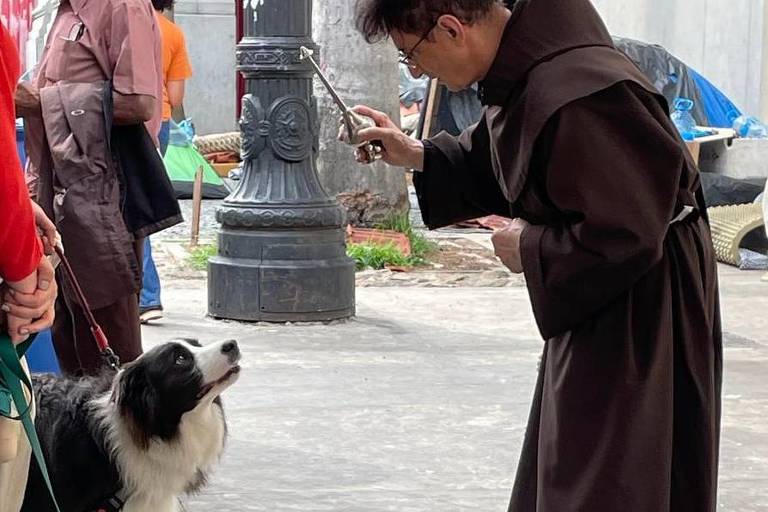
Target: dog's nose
<point>230,348</point>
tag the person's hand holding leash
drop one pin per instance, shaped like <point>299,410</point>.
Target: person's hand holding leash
<point>46,228</point>
<point>29,303</point>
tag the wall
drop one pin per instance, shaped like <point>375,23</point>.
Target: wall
<point>209,26</point>
<point>722,39</point>
<point>725,40</point>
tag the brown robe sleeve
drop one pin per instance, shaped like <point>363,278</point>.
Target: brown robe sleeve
<point>613,172</point>
<point>458,182</point>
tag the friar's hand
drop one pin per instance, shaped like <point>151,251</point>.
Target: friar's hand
<point>399,150</point>
<point>506,244</point>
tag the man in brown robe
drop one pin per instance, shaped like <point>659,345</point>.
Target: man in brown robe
<point>609,227</point>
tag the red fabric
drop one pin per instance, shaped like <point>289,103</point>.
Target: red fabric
<point>492,223</point>
<point>16,15</point>
<point>20,250</point>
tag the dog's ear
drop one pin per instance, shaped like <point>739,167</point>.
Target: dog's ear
<point>137,402</point>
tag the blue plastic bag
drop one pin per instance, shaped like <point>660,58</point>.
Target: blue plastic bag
<point>749,127</point>
<point>683,118</point>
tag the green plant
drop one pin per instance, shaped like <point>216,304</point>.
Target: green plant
<point>400,222</point>
<point>420,246</point>
<point>376,256</point>
<point>379,256</point>
<point>199,256</point>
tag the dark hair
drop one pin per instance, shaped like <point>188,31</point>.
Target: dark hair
<point>376,19</point>
<point>163,5</point>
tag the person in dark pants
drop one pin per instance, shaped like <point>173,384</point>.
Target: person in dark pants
<point>176,70</point>
<point>101,249</point>
<point>608,224</point>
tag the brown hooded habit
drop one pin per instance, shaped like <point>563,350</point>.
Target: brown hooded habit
<point>618,260</point>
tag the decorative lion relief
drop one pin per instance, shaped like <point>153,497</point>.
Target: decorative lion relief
<point>291,129</point>
<point>252,123</point>
<point>288,129</point>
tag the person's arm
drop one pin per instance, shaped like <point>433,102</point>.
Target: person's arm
<point>175,90</point>
<point>128,108</point>
<point>133,108</point>
<point>614,172</point>
<point>27,99</point>
<point>455,180</point>
<point>132,53</point>
<point>179,71</point>
<point>20,249</point>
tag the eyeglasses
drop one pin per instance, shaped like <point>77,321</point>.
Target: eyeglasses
<point>407,57</point>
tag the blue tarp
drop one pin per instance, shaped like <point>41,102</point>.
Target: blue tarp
<point>671,77</point>
<point>720,110</point>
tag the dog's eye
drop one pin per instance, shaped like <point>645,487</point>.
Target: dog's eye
<point>181,359</point>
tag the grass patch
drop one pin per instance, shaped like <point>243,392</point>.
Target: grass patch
<point>199,256</point>
<point>381,256</point>
<point>376,256</point>
<point>365,255</point>
<point>421,248</point>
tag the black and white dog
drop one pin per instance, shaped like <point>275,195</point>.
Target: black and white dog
<point>145,435</point>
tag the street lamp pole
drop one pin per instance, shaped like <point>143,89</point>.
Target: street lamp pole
<point>282,252</point>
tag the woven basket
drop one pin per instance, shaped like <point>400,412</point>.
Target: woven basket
<point>730,224</point>
<point>218,143</point>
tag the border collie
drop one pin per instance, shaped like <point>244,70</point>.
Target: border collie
<point>143,436</point>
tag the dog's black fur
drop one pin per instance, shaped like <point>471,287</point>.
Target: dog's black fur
<point>79,464</point>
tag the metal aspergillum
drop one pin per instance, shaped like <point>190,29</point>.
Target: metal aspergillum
<point>366,151</point>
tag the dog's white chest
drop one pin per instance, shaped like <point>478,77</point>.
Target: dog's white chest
<point>154,478</point>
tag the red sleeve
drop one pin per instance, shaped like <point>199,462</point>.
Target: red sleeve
<point>20,250</point>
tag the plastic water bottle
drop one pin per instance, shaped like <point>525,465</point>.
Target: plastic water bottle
<point>683,118</point>
<point>749,127</point>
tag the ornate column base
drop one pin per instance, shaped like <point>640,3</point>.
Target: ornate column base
<point>281,276</point>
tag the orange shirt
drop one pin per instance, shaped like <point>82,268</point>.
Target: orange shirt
<point>175,58</point>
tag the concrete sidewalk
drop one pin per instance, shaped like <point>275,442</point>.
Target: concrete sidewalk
<point>420,403</point>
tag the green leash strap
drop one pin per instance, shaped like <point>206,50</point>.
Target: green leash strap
<point>6,398</point>
<point>12,378</point>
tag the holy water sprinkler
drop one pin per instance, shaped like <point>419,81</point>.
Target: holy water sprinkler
<point>366,151</point>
